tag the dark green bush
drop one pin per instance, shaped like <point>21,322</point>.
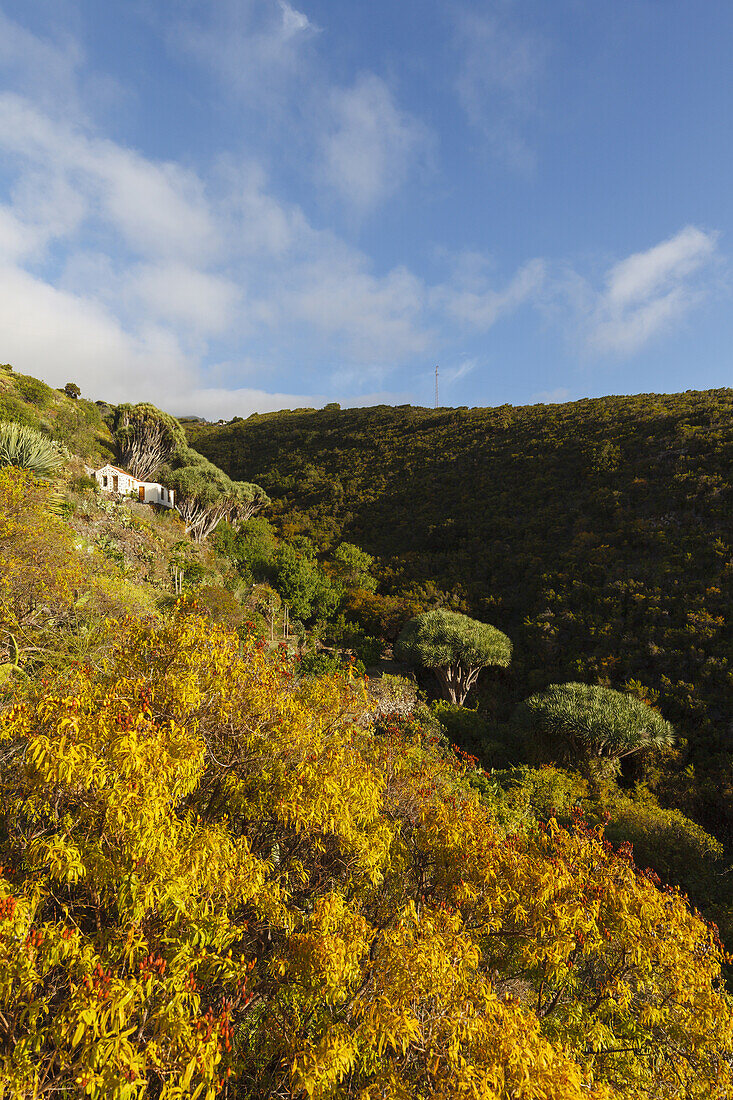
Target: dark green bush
<point>473,732</point>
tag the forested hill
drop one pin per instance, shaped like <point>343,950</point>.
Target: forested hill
<point>598,533</point>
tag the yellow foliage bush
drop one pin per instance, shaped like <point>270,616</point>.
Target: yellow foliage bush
<point>54,594</point>
<point>39,571</point>
<point>216,882</point>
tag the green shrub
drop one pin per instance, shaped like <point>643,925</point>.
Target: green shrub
<point>541,792</point>
<point>28,450</point>
<point>14,411</point>
<point>322,663</point>
<point>679,850</point>
<point>33,390</point>
<point>367,649</point>
<point>83,483</point>
<point>471,731</point>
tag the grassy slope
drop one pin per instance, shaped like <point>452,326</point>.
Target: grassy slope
<point>598,534</point>
<point>73,421</point>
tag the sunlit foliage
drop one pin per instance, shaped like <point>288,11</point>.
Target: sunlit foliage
<point>455,647</point>
<point>28,449</point>
<point>217,880</point>
<point>53,597</point>
<point>584,726</point>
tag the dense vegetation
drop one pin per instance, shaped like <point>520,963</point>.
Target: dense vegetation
<point>60,414</point>
<point>221,878</point>
<point>598,535</point>
<point>231,865</point>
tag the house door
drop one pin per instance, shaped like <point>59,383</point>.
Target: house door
<point>115,483</point>
<point>141,492</point>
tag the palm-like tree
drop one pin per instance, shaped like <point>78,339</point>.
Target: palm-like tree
<point>588,727</point>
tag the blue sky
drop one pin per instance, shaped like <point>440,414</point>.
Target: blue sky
<point>225,206</point>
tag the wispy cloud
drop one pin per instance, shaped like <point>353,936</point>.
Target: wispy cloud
<point>551,397</point>
<point>158,208</point>
<point>353,139</point>
<point>475,304</point>
<point>368,144</point>
<point>253,47</point>
<point>499,68</point>
<point>648,293</point>
<point>452,374</point>
<point>373,318</point>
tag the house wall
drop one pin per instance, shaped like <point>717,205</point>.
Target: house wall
<point>158,494</point>
<point>153,492</point>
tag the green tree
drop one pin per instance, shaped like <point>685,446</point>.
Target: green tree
<point>588,727</point>
<point>247,499</point>
<point>455,646</point>
<point>203,497</point>
<point>250,546</point>
<point>72,390</point>
<point>352,567</point>
<point>301,581</point>
<point>147,438</point>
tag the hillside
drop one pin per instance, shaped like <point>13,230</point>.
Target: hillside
<point>232,867</point>
<point>77,423</point>
<point>597,534</point>
<point>222,878</point>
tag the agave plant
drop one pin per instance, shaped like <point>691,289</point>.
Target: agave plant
<point>25,447</point>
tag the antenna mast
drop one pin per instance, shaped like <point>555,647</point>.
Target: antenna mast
<point>436,387</point>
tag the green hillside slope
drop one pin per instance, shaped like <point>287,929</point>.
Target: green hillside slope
<point>597,534</point>
<point>74,421</point>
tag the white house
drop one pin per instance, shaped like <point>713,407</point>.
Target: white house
<point>113,480</point>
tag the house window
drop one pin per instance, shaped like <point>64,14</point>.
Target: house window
<point>104,480</point>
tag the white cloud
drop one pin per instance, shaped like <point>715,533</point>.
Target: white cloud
<point>354,140</point>
<point>220,403</point>
<point>62,337</point>
<point>450,375</point>
<point>18,240</point>
<point>649,292</point>
<point>481,307</point>
<point>294,22</point>
<point>158,208</point>
<point>369,144</point>
<point>373,318</point>
<point>499,68</point>
<point>644,274</point>
<point>180,295</point>
<point>258,224</point>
